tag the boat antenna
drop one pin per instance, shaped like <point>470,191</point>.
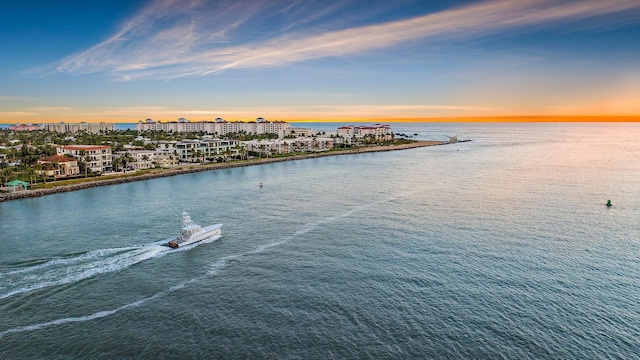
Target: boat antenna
<point>174,211</point>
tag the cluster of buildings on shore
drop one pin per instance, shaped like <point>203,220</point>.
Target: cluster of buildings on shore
<point>217,127</point>
<point>62,127</point>
<point>208,148</point>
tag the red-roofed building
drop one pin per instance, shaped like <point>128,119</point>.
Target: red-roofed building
<point>97,157</point>
<point>59,166</point>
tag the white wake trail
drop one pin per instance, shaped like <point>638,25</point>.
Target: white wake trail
<point>70,270</point>
<point>214,269</point>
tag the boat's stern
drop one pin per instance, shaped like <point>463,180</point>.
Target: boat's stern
<point>173,244</point>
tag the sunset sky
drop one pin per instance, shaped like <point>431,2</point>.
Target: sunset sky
<point>127,60</point>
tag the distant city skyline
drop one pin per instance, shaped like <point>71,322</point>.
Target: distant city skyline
<point>311,60</point>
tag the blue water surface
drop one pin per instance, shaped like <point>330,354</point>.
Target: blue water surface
<point>501,247</point>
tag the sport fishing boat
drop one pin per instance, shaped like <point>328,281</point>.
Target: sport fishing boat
<point>193,233</point>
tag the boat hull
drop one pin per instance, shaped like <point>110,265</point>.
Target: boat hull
<point>208,231</point>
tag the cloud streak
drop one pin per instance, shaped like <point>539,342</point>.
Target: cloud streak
<point>171,38</point>
<point>9,98</point>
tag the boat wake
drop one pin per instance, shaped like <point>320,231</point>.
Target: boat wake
<point>67,270</point>
<point>132,256</point>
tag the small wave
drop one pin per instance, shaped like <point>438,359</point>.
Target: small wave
<point>96,315</point>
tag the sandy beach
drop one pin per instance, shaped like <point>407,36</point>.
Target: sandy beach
<point>185,169</point>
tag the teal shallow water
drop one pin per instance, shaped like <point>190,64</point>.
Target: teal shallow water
<point>498,248</point>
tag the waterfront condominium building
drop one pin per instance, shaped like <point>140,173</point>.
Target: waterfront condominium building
<point>97,157</point>
<point>289,146</point>
<point>381,132</point>
<point>219,126</point>
<point>137,159</point>
<point>196,150</point>
<point>74,128</point>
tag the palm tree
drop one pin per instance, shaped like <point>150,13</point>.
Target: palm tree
<point>126,159</point>
<point>6,174</point>
<point>39,168</point>
<point>56,170</point>
<point>117,161</point>
<point>83,157</point>
<point>238,150</point>
<point>145,159</point>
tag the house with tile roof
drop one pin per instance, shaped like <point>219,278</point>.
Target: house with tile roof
<point>59,166</point>
<point>97,157</point>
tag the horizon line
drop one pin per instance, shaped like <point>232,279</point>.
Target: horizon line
<point>462,119</point>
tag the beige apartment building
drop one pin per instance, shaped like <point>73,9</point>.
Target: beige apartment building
<point>97,157</point>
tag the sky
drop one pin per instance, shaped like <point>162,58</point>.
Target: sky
<point>318,60</point>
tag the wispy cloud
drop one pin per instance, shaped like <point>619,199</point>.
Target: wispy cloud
<point>163,112</point>
<point>50,109</point>
<point>7,114</point>
<point>171,38</point>
<point>308,94</point>
<point>9,98</point>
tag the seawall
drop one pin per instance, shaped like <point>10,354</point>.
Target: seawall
<point>199,168</point>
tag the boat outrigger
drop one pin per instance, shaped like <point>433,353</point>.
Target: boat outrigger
<point>193,233</point>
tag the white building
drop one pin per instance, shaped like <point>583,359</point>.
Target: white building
<point>350,134</point>
<point>219,126</point>
<point>165,161</point>
<point>289,146</point>
<point>142,159</point>
<point>74,128</point>
<point>202,150</point>
<point>303,132</point>
<point>97,157</point>
<point>166,147</point>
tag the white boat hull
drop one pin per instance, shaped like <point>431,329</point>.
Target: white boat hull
<point>208,231</point>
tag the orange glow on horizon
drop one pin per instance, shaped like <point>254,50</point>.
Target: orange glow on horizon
<point>599,118</point>
<point>489,119</point>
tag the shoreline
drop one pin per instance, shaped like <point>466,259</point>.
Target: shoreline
<point>160,173</point>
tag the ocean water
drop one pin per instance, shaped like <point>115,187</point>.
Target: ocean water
<point>497,248</point>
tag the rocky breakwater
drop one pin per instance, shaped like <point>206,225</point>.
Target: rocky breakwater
<point>95,182</point>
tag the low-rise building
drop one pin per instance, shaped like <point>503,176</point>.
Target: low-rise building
<point>165,161</point>
<point>59,166</point>
<point>289,146</point>
<point>298,132</point>
<point>97,157</point>
<point>207,149</point>
<point>354,134</point>
<point>139,159</point>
